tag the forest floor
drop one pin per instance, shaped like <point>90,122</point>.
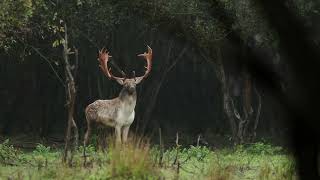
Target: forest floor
<point>140,160</point>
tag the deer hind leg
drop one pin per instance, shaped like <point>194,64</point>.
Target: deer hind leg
<point>118,134</point>
<point>125,131</point>
<point>87,135</point>
<point>86,140</point>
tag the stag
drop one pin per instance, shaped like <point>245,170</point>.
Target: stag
<point>118,112</point>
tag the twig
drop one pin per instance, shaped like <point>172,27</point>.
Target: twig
<point>177,139</point>
<point>90,40</point>
<point>198,140</point>
<point>176,160</point>
<point>187,13</point>
<point>76,53</point>
<point>50,65</point>
<point>161,148</point>
<point>178,58</point>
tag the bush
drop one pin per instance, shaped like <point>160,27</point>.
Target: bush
<point>41,155</point>
<point>259,148</point>
<point>41,149</point>
<point>8,154</point>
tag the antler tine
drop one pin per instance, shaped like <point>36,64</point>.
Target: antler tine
<point>103,59</point>
<point>148,58</point>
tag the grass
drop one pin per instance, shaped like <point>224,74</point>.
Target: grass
<point>140,160</point>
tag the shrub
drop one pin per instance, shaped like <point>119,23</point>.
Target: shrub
<point>259,148</point>
<point>41,149</point>
<point>8,154</point>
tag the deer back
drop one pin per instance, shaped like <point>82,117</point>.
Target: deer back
<point>103,111</point>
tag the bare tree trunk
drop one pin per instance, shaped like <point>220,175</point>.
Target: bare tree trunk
<point>246,118</point>
<point>228,105</point>
<point>70,98</point>
<point>239,124</point>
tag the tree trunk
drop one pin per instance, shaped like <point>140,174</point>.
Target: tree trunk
<point>239,124</point>
<point>70,98</point>
<point>246,118</point>
<point>228,105</point>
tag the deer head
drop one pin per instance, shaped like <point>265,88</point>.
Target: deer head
<point>129,84</point>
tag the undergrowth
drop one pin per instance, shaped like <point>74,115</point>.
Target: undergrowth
<point>140,160</point>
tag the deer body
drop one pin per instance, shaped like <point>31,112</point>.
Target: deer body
<point>114,112</point>
<point>118,112</point>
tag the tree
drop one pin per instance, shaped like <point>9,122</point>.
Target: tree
<point>70,73</point>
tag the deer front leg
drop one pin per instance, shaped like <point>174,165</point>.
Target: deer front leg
<point>125,131</point>
<point>118,134</point>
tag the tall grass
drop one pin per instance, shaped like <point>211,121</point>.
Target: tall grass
<point>260,161</point>
<point>132,160</point>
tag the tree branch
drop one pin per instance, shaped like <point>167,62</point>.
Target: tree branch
<point>50,65</point>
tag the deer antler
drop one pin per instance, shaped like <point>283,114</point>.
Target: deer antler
<point>148,58</point>
<point>103,59</point>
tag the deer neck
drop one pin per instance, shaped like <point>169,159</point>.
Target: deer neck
<point>128,98</point>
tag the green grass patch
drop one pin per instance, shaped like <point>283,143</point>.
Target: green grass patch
<point>140,160</point>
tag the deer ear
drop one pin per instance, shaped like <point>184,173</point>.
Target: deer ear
<point>138,80</point>
<point>120,81</point>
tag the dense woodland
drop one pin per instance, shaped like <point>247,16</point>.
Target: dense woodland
<point>225,69</point>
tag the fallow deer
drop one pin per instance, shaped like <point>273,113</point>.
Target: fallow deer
<point>118,112</point>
